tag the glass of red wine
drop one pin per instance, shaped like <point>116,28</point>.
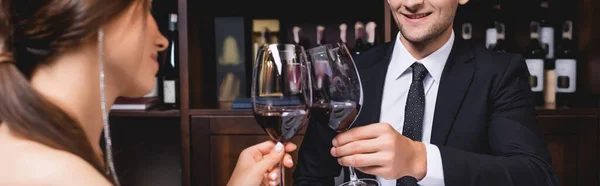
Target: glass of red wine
<point>337,93</point>
<point>281,92</point>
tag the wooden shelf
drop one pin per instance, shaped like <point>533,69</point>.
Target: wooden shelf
<point>220,112</point>
<point>146,113</point>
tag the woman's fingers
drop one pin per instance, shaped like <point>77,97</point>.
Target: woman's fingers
<point>288,161</point>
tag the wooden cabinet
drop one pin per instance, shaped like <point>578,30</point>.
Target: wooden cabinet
<point>572,138</point>
<point>147,150</point>
<point>218,137</point>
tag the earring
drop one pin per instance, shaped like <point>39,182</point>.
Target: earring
<point>107,138</point>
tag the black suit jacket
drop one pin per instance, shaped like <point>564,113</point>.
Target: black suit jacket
<point>484,121</point>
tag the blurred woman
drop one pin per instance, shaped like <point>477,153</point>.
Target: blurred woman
<point>62,65</point>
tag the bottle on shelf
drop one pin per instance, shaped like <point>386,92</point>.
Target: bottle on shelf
<point>298,39</point>
<point>534,57</point>
<point>359,44</point>
<point>370,28</point>
<point>467,31</point>
<point>320,35</point>
<point>547,32</point>
<point>259,42</point>
<point>268,36</point>
<point>500,45</point>
<point>343,33</point>
<point>170,71</point>
<point>547,39</point>
<point>296,34</point>
<point>566,67</point>
<point>491,35</point>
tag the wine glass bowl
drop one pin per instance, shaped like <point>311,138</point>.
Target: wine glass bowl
<point>337,90</point>
<point>281,92</point>
<point>337,93</point>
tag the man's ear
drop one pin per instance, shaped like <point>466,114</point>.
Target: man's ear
<point>462,2</point>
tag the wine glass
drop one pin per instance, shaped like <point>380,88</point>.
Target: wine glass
<point>337,93</point>
<point>281,92</point>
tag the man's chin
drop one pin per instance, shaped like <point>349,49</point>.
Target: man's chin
<point>414,37</point>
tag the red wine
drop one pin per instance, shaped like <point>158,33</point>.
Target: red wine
<point>566,68</point>
<point>343,30</point>
<point>547,39</point>
<point>535,63</point>
<point>339,116</point>
<point>170,72</point>
<point>359,45</point>
<point>320,35</point>
<point>370,28</point>
<point>281,124</point>
<point>491,36</point>
<point>500,43</point>
<point>299,39</point>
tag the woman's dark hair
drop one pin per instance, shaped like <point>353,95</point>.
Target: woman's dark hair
<point>32,33</point>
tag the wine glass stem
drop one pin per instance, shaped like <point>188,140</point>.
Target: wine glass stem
<point>353,177</point>
<point>281,174</point>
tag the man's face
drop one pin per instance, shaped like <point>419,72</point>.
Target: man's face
<point>423,20</point>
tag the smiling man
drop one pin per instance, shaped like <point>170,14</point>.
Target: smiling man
<point>437,111</point>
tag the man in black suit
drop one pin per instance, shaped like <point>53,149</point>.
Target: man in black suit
<point>437,111</point>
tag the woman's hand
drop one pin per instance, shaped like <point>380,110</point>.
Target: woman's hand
<point>259,164</point>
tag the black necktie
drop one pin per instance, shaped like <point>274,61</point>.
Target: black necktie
<point>413,113</point>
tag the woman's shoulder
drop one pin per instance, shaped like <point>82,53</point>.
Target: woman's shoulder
<point>32,163</point>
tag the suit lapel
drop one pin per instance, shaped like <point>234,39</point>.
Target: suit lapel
<point>372,74</point>
<point>454,83</point>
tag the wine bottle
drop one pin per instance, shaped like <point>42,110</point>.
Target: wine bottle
<point>467,31</point>
<point>343,33</point>
<point>547,35</point>
<point>359,44</point>
<point>170,73</point>
<point>259,42</point>
<point>320,35</point>
<point>296,34</point>
<point>566,67</point>
<point>500,45</point>
<point>534,57</point>
<point>268,37</point>
<point>547,39</point>
<point>491,36</point>
<point>370,28</point>
<point>299,39</point>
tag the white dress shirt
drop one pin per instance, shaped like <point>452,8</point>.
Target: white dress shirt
<point>397,84</point>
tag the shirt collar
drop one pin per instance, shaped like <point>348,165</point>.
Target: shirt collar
<point>435,62</point>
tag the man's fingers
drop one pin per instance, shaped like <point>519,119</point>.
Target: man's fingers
<point>362,160</point>
<point>375,170</point>
<point>356,147</point>
<point>360,133</point>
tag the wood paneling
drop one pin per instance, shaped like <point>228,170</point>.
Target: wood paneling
<point>573,143</point>
<point>147,150</point>
<point>225,150</point>
<point>184,92</point>
<point>217,142</point>
<point>200,151</point>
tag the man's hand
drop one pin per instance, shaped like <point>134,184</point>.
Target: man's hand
<point>378,149</point>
